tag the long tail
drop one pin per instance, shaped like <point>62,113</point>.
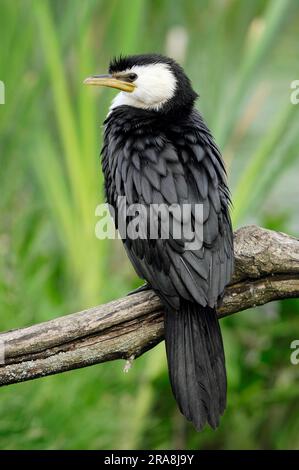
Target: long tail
<point>196,363</point>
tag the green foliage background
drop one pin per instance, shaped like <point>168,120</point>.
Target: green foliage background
<point>242,56</point>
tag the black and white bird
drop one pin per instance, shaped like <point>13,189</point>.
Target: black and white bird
<point>158,150</point>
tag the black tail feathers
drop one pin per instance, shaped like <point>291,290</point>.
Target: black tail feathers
<point>196,363</point>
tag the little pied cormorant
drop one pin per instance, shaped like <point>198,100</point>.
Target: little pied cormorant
<point>158,150</point>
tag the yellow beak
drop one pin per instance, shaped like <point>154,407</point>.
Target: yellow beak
<point>110,81</point>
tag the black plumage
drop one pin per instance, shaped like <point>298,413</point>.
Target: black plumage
<point>168,156</point>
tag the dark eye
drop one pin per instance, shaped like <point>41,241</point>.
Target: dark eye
<point>132,76</point>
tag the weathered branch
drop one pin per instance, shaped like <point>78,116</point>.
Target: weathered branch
<point>267,269</point>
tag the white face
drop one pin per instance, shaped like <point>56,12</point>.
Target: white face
<point>155,85</point>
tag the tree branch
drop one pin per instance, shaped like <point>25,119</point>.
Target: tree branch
<point>267,269</point>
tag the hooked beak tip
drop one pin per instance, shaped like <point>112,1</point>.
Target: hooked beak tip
<point>87,81</point>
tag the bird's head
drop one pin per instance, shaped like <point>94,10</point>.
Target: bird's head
<point>149,81</point>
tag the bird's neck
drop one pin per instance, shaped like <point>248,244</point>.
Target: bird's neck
<point>128,99</point>
<point>137,117</point>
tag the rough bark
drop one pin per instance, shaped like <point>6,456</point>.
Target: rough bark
<point>267,269</point>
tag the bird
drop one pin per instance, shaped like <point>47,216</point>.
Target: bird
<point>158,151</point>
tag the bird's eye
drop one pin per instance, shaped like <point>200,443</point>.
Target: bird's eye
<point>132,76</point>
